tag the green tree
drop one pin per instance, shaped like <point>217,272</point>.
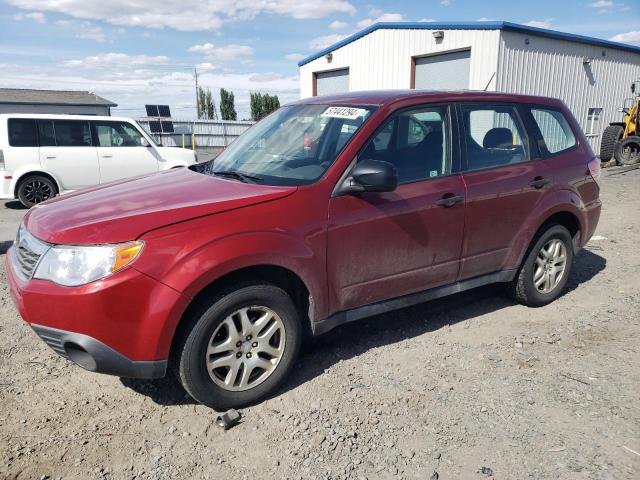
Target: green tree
<point>227,105</point>
<point>262,104</point>
<point>206,105</point>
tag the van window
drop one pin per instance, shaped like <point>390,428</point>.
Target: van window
<point>555,130</point>
<point>494,136</point>
<point>117,134</point>
<point>22,132</point>
<point>70,133</point>
<point>47,133</point>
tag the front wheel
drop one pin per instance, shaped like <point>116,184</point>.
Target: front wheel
<point>240,346</point>
<point>545,270</point>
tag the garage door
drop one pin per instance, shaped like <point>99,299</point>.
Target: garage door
<point>336,81</point>
<point>449,71</point>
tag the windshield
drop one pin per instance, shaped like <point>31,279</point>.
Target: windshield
<point>293,146</point>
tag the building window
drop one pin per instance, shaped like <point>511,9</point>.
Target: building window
<point>593,121</point>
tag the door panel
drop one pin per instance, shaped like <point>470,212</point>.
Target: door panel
<point>383,245</point>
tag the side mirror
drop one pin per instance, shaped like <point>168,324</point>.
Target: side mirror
<point>144,142</point>
<point>370,176</point>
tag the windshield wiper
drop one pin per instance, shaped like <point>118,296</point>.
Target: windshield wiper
<point>243,177</point>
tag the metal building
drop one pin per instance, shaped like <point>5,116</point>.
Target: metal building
<point>592,76</point>
<point>19,100</point>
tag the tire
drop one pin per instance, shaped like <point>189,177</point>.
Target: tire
<point>610,137</point>
<point>34,189</point>
<point>523,287</point>
<point>223,388</point>
<point>628,151</point>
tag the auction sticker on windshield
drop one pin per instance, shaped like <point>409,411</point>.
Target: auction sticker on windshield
<point>349,113</point>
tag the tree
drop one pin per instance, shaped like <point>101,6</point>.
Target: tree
<point>206,105</point>
<point>262,104</point>
<point>227,105</point>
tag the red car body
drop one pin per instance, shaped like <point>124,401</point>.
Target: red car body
<point>352,256</point>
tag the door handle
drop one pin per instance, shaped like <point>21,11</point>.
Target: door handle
<point>539,182</point>
<point>107,155</point>
<point>50,157</point>
<point>449,200</point>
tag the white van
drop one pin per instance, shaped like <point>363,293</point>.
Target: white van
<point>45,155</point>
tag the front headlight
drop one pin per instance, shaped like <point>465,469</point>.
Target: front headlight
<point>76,265</point>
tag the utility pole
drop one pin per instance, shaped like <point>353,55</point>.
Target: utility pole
<point>195,74</point>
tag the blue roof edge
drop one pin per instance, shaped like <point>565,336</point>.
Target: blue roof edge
<point>489,25</point>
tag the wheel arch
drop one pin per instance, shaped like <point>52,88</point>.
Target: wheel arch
<point>22,175</point>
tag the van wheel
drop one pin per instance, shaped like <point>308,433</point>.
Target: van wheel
<point>35,189</point>
<point>239,346</point>
<point>546,267</point>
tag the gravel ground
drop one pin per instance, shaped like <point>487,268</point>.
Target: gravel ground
<point>472,386</point>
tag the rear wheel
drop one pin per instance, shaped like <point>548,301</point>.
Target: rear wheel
<point>239,346</point>
<point>35,189</point>
<point>545,269</point>
<point>611,135</point>
<point>628,151</point>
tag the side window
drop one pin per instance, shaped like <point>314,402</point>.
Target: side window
<point>70,133</point>
<point>593,121</point>
<point>47,133</point>
<point>555,130</point>
<point>22,132</point>
<point>494,136</point>
<point>415,141</point>
<point>117,134</point>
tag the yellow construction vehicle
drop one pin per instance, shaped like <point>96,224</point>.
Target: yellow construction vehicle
<point>621,141</point>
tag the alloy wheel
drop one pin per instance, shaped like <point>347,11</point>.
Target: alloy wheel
<point>245,348</point>
<point>550,265</point>
<point>37,191</point>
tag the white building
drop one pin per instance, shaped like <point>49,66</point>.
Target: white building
<point>71,102</point>
<point>592,76</point>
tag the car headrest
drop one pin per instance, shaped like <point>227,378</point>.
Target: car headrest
<point>498,138</point>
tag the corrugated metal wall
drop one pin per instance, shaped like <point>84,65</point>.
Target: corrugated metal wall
<point>208,133</point>
<point>555,68</point>
<point>382,59</point>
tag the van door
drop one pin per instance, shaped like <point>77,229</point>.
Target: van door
<point>120,151</point>
<point>72,158</point>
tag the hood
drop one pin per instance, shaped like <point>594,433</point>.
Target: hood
<point>124,210</point>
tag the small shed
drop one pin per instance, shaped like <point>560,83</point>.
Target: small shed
<point>71,102</point>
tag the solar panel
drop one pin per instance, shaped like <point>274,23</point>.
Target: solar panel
<point>152,110</point>
<point>155,127</point>
<point>167,126</point>
<point>163,111</point>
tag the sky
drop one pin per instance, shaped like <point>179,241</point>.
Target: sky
<point>135,52</point>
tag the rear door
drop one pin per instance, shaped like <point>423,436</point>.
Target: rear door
<point>120,151</point>
<point>505,179</point>
<point>66,149</point>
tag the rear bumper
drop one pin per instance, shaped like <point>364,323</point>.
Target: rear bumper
<point>95,356</point>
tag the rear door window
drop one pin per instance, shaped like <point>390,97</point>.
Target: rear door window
<point>72,133</point>
<point>555,130</point>
<point>494,136</point>
<point>47,133</point>
<point>22,132</point>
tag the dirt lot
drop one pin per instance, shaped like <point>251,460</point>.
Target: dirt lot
<point>451,387</point>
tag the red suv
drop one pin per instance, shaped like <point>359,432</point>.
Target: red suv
<point>329,210</point>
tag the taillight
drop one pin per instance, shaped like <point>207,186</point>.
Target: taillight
<point>595,170</point>
<point>1,160</point>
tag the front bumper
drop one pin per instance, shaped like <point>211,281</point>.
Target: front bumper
<point>121,325</point>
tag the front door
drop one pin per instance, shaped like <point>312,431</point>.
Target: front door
<point>505,179</point>
<point>384,245</point>
<point>120,151</point>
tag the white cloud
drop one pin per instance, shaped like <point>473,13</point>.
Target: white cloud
<point>118,60</point>
<point>446,3</point>
<point>338,25</point>
<point>35,16</point>
<point>540,23</point>
<point>427,20</point>
<point>320,43</point>
<point>384,17</point>
<point>265,77</point>
<point>295,57</point>
<point>601,4</point>
<point>85,30</point>
<point>185,15</point>
<point>226,52</point>
<point>628,37</point>
<point>486,19</point>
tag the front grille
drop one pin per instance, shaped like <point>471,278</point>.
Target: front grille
<point>52,338</point>
<point>27,251</point>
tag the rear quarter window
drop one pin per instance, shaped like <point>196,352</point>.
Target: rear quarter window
<point>556,133</point>
<point>22,132</point>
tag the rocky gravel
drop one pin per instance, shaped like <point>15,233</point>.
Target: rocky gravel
<point>472,386</point>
